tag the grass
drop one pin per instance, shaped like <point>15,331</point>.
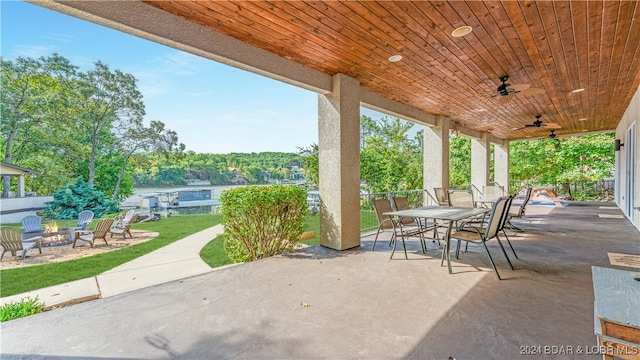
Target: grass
<point>213,253</point>
<point>19,280</point>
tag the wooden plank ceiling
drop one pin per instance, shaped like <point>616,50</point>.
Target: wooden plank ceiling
<point>557,46</point>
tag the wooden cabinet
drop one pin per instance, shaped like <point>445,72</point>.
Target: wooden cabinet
<point>617,312</point>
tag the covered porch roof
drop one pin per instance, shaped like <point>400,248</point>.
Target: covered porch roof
<point>557,47</point>
<point>7,169</point>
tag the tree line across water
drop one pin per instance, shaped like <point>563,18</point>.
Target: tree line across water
<point>67,123</point>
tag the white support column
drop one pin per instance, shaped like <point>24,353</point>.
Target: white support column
<point>21,186</point>
<point>435,165</point>
<point>501,164</point>
<point>339,164</point>
<point>480,157</point>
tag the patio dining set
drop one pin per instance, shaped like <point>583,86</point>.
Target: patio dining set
<point>458,215</point>
<point>34,236</point>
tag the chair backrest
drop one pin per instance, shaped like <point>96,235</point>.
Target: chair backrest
<point>495,217</point>
<point>493,191</point>
<point>133,219</point>
<point>505,212</point>
<point>84,219</point>
<point>523,205</point>
<point>31,223</point>
<point>461,198</point>
<point>382,206</point>
<point>401,203</point>
<point>441,196</point>
<point>127,217</point>
<point>10,239</point>
<point>102,228</point>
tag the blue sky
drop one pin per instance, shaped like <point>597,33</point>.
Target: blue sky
<point>214,108</point>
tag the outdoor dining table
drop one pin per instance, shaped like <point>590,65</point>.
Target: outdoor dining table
<point>446,213</point>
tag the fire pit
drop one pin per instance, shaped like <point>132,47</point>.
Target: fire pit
<point>52,235</point>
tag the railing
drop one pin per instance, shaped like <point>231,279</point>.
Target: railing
<point>368,218</point>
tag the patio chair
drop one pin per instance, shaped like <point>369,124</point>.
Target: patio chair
<point>493,191</point>
<point>441,196</point>
<point>124,228</point>
<point>90,236</point>
<point>503,223</point>
<point>84,219</point>
<point>402,203</point>
<point>11,240</point>
<point>31,223</point>
<point>460,198</point>
<point>464,198</point>
<point>123,218</point>
<point>475,235</point>
<point>386,222</point>
<point>517,211</point>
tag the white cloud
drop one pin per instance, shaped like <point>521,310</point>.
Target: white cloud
<point>34,51</point>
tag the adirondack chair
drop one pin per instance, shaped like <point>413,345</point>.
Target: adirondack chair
<point>124,228</point>
<point>11,240</point>
<point>90,236</point>
<point>123,219</point>
<point>84,219</point>
<point>31,223</point>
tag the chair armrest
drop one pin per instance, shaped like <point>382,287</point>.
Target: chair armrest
<point>33,239</point>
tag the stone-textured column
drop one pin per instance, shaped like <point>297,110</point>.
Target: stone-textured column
<point>501,164</point>
<point>435,165</point>
<point>339,164</point>
<point>480,157</point>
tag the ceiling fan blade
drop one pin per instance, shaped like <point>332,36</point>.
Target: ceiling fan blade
<point>552,126</point>
<point>532,91</point>
<point>520,87</point>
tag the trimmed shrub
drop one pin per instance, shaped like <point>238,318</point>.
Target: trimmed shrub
<point>17,309</point>
<point>261,221</point>
<point>74,198</point>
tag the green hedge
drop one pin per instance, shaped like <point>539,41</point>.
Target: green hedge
<point>261,221</point>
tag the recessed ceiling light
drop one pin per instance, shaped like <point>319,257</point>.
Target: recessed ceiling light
<point>582,119</point>
<point>515,129</point>
<point>461,31</point>
<point>395,58</point>
<point>577,90</point>
<point>585,130</point>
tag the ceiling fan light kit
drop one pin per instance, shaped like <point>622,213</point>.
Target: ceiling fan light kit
<point>539,124</point>
<point>503,99</point>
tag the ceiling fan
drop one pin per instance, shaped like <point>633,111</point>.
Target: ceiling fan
<point>554,136</point>
<point>506,91</point>
<point>539,124</point>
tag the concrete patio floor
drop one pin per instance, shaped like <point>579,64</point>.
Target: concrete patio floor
<point>318,303</point>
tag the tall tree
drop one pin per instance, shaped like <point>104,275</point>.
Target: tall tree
<point>389,157</point>
<point>311,165</point>
<point>106,99</point>
<point>154,138</point>
<point>32,106</point>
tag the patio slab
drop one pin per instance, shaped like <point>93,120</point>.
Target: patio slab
<point>318,303</point>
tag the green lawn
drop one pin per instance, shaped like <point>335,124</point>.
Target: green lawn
<point>16,281</point>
